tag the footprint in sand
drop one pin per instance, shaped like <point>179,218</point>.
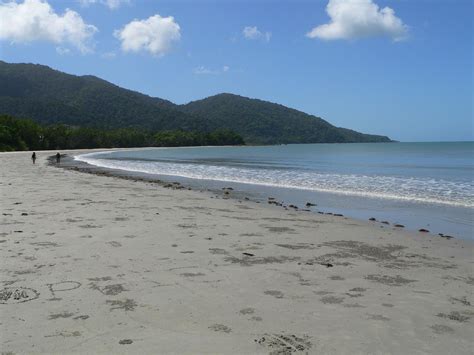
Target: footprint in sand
<point>440,329</point>
<point>60,315</point>
<point>274,293</point>
<point>220,328</point>
<point>83,317</point>
<point>115,244</point>
<point>377,317</point>
<point>109,290</point>
<point>126,305</point>
<point>285,344</point>
<point>455,316</point>
<point>247,311</point>
<point>332,300</point>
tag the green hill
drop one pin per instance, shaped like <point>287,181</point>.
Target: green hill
<point>49,96</point>
<point>269,123</point>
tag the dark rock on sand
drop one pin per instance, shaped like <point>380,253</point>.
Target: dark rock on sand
<point>385,222</point>
<point>248,254</point>
<point>125,341</point>
<point>399,225</point>
<point>445,236</point>
<point>372,219</point>
<point>309,204</point>
<point>422,230</point>
<point>327,264</point>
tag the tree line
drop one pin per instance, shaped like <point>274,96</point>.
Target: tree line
<point>25,134</point>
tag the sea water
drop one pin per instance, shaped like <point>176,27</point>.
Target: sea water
<point>420,185</point>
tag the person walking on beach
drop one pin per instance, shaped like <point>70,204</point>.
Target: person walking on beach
<point>58,158</point>
<point>33,157</point>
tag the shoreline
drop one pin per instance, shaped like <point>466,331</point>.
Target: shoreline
<point>94,264</point>
<point>265,196</point>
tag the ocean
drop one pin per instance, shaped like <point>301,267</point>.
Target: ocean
<point>419,185</point>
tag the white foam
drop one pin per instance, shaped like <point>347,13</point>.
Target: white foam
<point>429,190</point>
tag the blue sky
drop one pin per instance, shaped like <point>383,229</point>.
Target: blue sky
<point>405,72</point>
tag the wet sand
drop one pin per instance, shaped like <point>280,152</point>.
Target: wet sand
<point>96,264</point>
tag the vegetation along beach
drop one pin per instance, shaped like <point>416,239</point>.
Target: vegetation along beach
<point>266,177</point>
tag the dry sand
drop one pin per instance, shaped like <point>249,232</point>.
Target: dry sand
<point>95,264</point>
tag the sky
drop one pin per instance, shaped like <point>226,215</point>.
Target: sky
<point>401,68</point>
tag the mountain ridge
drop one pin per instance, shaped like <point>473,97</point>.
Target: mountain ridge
<point>49,96</point>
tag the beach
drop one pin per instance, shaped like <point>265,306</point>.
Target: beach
<point>101,264</point>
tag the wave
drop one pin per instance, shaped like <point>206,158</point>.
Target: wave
<point>422,190</point>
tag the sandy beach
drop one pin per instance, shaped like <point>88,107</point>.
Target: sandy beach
<point>97,264</point>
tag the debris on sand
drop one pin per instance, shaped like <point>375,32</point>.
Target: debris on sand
<point>327,264</point>
<point>445,236</point>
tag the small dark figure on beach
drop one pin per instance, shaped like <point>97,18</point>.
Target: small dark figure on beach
<point>58,158</point>
<point>33,157</point>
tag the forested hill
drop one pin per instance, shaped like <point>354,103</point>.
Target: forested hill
<point>49,96</point>
<point>270,123</point>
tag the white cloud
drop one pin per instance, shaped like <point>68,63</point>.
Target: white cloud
<point>201,70</point>
<point>111,4</point>
<point>156,35</point>
<point>351,19</point>
<point>252,32</point>
<point>35,20</point>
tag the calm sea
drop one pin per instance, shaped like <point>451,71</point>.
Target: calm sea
<point>427,185</point>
